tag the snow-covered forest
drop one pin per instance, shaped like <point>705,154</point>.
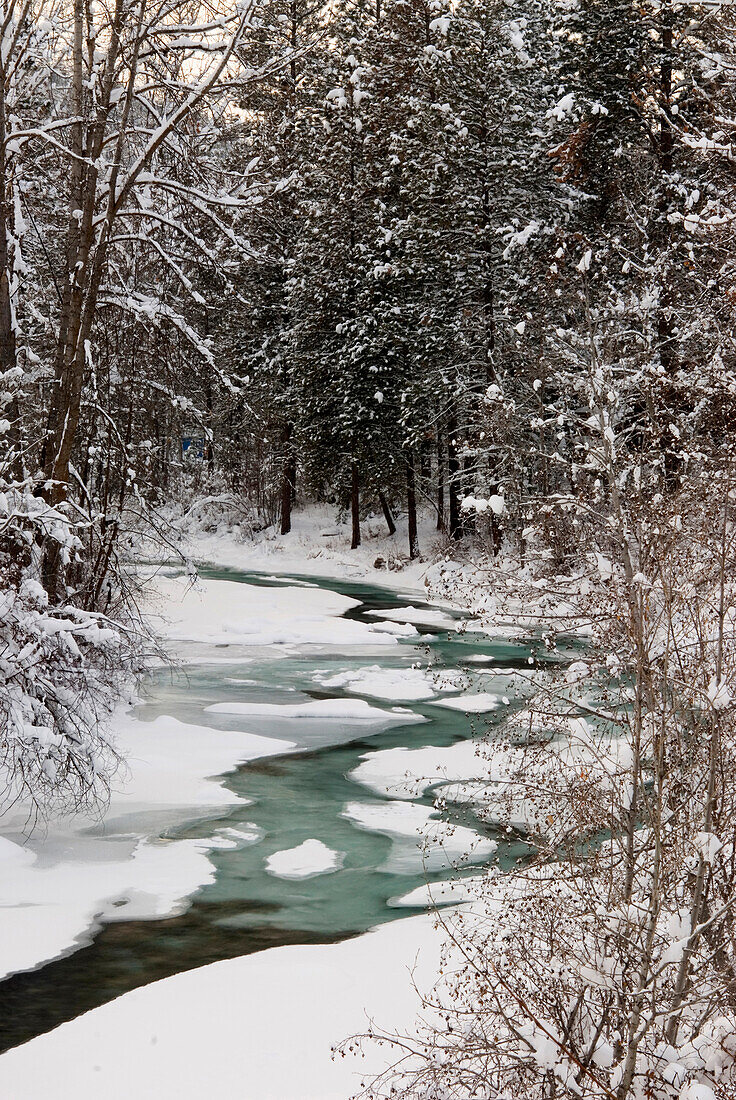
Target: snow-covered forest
<point>432,302</point>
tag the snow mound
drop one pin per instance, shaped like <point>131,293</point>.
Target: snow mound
<point>308,859</point>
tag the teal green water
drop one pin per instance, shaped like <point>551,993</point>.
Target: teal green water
<point>302,796</point>
<point>290,799</point>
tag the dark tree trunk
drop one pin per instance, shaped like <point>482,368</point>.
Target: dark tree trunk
<point>288,479</point>
<point>387,514</point>
<point>467,519</point>
<point>425,462</point>
<point>453,471</point>
<point>440,483</point>
<point>7,331</point>
<point>355,506</point>
<point>411,507</point>
<point>496,529</point>
<point>665,323</point>
<point>666,309</point>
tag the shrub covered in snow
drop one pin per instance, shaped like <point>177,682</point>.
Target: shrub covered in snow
<point>61,666</point>
<point>605,964</point>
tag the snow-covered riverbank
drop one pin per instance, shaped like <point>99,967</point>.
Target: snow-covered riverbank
<point>62,882</point>
<point>255,1028</point>
<point>317,546</point>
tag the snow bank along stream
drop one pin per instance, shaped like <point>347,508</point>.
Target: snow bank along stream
<point>330,710</point>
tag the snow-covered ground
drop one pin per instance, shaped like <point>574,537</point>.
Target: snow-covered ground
<point>253,1028</point>
<point>319,546</point>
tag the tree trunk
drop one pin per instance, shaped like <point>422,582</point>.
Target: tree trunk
<point>288,478</point>
<point>387,514</point>
<point>209,450</point>
<point>440,483</point>
<point>425,463</point>
<point>411,507</point>
<point>69,357</point>
<point>7,329</point>
<point>453,470</point>
<point>468,519</point>
<point>355,506</point>
<point>665,325</point>
<point>496,528</point>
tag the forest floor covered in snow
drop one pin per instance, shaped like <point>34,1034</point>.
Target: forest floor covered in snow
<point>317,545</point>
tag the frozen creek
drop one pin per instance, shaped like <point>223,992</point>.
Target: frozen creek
<point>304,850</point>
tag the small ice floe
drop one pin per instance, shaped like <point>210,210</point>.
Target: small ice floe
<point>307,860</point>
<point>481,703</point>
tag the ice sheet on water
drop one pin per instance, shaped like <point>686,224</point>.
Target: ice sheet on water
<point>480,703</point>
<point>60,884</point>
<point>422,616</point>
<point>399,630</point>
<point>429,843</point>
<point>353,710</point>
<point>406,773</point>
<point>220,612</point>
<point>406,685</point>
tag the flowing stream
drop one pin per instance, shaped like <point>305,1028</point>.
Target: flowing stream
<point>291,798</point>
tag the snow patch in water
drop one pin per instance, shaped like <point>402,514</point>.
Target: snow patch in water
<point>404,773</point>
<point>353,710</point>
<point>433,843</point>
<point>406,685</point>
<point>399,630</point>
<point>422,616</point>
<point>308,859</point>
<point>481,703</point>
